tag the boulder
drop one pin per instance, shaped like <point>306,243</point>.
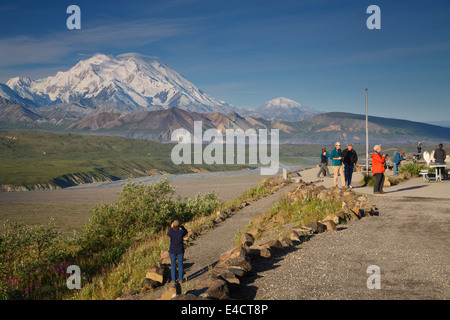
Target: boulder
<point>229,276</point>
<point>244,204</point>
<point>323,195</point>
<point>238,251</point>
<point>217,220</point>
<point>317,227</point>
<point>350,215</point>
<point>255,232</point>
<point>155,273</point>
<point>361,198</point>
<point>247,239</point>
<point>286,242</point>
<point>274,245</point>
<point>149,284</point>
<point>237,258</point>
<point>333,217</point>
<point>348,195</point>
<point>329,224</point>
<point>221,214</point>
<point>261,251</point>
<point>164,258</point>
<point>296,237</point>
<point>169,294</point>
<point>216,288</point>
<point>357,212</point>
<point>303,231</point>
<point>341,215</point>
<point>366,212</point>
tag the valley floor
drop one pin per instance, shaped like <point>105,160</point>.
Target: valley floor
<point>72,207</point>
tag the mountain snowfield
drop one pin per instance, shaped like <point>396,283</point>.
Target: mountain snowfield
<point>129,82</point>
<point>285,109</point>
<point>131,79</point>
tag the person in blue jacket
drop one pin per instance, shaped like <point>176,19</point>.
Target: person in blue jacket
<point>176,250</point>
<point>398,157</point>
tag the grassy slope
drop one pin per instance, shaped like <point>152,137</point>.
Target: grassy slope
<point>30,157</point>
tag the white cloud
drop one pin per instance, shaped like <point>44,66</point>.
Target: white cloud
<point>54,47</point>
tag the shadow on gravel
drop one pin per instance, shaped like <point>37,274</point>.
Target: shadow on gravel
<point>199,272</point>
<point>406,189</point>
<point>421,199</point>
<point>247,290</point>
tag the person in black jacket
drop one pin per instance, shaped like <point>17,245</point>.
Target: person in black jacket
<point>176,250</point>
<point>439,157</point>
<point>349,160</point>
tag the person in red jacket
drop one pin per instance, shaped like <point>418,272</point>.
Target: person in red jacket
<point>378,169</point>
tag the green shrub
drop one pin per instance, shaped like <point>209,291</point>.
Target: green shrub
<point>34,260</point>
<point>142,208</point>
<point>25,254</point>
<point>368,180</point>
<point>412,167</point>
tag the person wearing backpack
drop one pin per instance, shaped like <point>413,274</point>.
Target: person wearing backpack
<point>399,156</point>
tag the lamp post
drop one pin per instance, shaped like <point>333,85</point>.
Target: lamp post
<point>367,138</point>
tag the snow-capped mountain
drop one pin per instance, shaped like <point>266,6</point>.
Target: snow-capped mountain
<point>284,109</point>
<point>129,79</point>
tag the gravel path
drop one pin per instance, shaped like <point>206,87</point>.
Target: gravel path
<point>408,240</point>
<point>206,249</point>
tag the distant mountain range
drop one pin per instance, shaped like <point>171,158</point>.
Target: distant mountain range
<point>129,82</point>
<point>136,96</point>
<point>158,125</point>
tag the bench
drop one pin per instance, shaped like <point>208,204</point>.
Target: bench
<point>425,175</point>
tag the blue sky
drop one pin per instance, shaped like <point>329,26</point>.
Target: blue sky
<point>317,52</point>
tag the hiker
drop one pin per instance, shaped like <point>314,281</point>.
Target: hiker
<point>349,159</point>
<point>378,169</point>
<point>398,158</point>
<point>439,158</point>
<point>336,157</point>
<point>324,163</point>
<point>176,249</point>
